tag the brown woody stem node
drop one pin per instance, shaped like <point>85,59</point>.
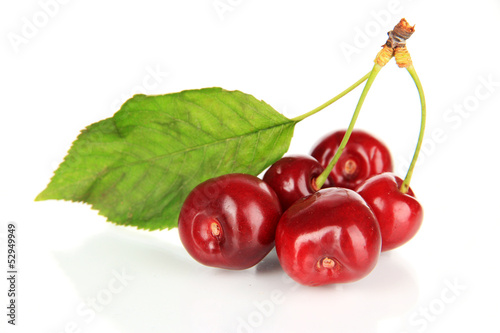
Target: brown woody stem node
<point>398,36</point>
<point>396,45</point>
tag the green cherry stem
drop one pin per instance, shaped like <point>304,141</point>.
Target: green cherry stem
<point>324,175</point>
<point>406,183</point>
<point>331,101</point>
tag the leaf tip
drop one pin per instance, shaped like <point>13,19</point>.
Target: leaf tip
<point>42,196</point>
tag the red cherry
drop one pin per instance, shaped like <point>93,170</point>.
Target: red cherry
<point>364,156</point>
<point>331,236</point>
<point>230,221</point>
<point>399,215</point>
<point>293,177</point>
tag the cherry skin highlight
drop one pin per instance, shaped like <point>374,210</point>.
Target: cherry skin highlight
<point>399,215</point>
<point>230,221</point>
<point>364,156</point>
<point>331,236</point>
<point>293,177</point>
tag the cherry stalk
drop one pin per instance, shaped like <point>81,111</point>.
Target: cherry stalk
<point>333,100</point>
<point>406,183</point>
<point>398,212</point>
<point>324,175</point>
<point>395,46</point>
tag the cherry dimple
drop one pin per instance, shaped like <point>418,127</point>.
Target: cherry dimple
<point>326,262</point>
<point>215,228</point>
<point>364,156</point>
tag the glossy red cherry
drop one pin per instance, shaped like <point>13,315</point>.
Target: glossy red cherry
<point>363,157</point>
<point>331,236</point>
<point>293,177</point>
<point>399,215</point>
<point>230,221</point>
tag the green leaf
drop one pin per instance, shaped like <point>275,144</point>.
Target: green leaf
<point>137,167</point>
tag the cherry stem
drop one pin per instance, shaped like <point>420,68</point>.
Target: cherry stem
<point>406,183</point>
<point>324,175</point>
<point>331,101</point>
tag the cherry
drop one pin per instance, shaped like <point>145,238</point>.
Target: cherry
<point>230,221</point>
<point>399,214</point>
<point>293,177</point>
<point>364,156</point>
<point>331,236</point>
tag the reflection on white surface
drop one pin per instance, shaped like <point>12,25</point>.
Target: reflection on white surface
<point>164,288</point>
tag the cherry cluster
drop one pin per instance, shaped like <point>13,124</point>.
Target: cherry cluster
<point>331,233</point>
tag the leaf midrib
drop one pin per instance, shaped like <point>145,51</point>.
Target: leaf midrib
<point>183,151</point>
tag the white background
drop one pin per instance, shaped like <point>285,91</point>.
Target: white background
<point>82,59</point>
